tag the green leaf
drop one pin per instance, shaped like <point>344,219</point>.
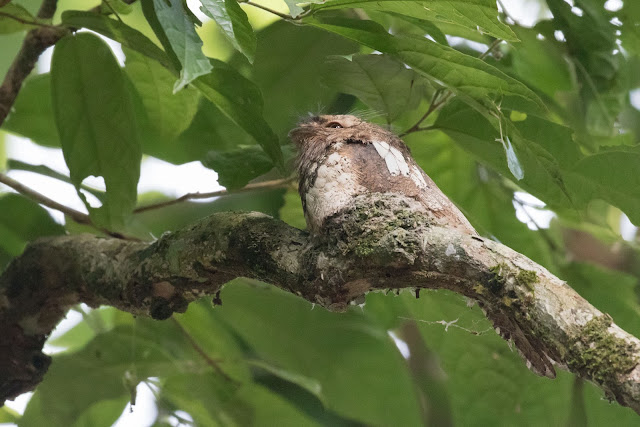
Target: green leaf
<point>21,221</point>
<point>133,351</point>
<point>32,113</point>
<point>237,167</point>
<point>168,114</point>
<point>463,74</point>
<point>352,358</point>
<point>202,397</point>
<point>611,176</point>
<point>240,100</point>
<point>380,81</point>
<point>294,9</point>
<point>478,15</point>
<point>118,31</point>
<point>288,69</point>
<point>234,24</point>
<point>184,40</point>
<point>544,148</point>
<point>309,384</point>
<point>96,122</point>
<point>8,416</point>
<point>9,25</point>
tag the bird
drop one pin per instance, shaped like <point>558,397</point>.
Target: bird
<point>342,156</point>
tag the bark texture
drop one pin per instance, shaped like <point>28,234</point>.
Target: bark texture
<point>379,243</point>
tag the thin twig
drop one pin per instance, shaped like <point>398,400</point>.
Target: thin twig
<point>35,42</point>
<point>77,216</point>
<point>276,183</point>
<point>265,8</point>
<point>203,353</point>
<point>26,21</point>
<point>441,96</point>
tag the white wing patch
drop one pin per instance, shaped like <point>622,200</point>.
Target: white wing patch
<point>396,163</point>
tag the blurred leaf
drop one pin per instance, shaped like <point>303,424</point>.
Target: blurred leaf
<point>540,63</point>
<point>477,15</point>
<point>119,6</point>
<point>630,18</point>
<point>168,114</point>
<point>102,412</point>
<point>234,24</point>
<point>142,348</point>
<point>251,404</point>
<point>96,123</point>
<point>537,146</point>
<point>32,113</point>
<point>237,167</point>
<point>8,416</point>
<point>22,220</point>
<point>463,74</point>
<point>611,176</point>
<point>294,9</point>
<point>308,384</point>
<point>354,360</point>
<point>184,41</point>
<point>240,100</point>
<point>381,82</point>
<point>9,25</point>
<point>291,211</point>
<point>118,31</point>
<point>288,70</point>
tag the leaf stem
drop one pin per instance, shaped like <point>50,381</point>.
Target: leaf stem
<point>26,21</point>
<point>276,183</point>
<point>265,8</point>
<point>441,96</point>
<point>77,216</point>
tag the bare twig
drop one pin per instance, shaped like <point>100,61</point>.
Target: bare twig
<point>441,96</point>
<point>25,21</point>
<point>276,183</point>
<point>265,8</point>
<point>77,216</point>
<point>35,42</point>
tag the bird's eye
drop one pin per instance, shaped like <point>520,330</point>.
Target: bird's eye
<point>334,125</point>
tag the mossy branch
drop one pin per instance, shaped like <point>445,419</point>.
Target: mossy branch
<point>378,244</point>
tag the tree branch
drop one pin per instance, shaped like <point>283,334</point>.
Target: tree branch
<point>380,243</point>
<point>35,42</point>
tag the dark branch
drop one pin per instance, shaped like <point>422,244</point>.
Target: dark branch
<point>365,249</point>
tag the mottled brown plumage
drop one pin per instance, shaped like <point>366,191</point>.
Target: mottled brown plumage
<point>343,156</point>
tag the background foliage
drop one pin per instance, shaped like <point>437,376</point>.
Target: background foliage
<point>547,112</point>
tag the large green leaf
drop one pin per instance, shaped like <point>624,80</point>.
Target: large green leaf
<point>185,42</point>
<point>463,74</point>
<point>289,68</point>
<point>168,114</point>
<point>611,176</point>
<point>21,221</point>
<point>118,31</point>
<point>542,148</point>
<point>240,100</point>
<point>234,24</point>
<point>353,359</point>
<point>32,115</point>
<point>381,82</point>
<point>201,396</point>
<point>110,364</point>
<point>237,167</point>
<point>96,122</point>
<point>477,15</point>
<point>10,25</point>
